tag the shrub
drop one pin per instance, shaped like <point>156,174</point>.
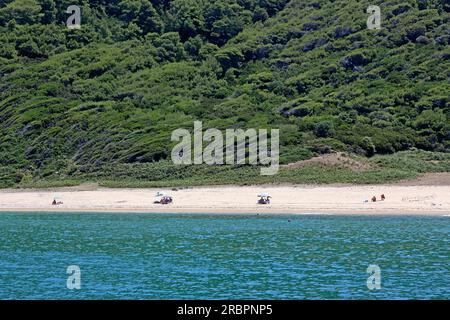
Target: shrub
<point>324,129</point>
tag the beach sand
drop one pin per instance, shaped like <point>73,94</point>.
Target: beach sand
<point>302,199</point>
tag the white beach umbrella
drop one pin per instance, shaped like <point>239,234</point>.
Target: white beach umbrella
<point>264,194</point>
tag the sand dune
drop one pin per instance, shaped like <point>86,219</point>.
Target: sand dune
<point>400,199</point>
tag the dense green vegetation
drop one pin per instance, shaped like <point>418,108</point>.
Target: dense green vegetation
<point>100,103</point>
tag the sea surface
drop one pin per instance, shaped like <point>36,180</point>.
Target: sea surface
<point>200,256</point>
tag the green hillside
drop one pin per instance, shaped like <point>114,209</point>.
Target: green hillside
<point>100,103</point>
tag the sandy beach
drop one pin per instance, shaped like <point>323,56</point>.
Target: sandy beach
<point>346,199</point>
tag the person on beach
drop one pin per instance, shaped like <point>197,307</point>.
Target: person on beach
<point>56,203</point>
<point>383,197</point>
<point>374,199</point>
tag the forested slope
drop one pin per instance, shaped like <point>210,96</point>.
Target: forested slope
<point>101,102</point>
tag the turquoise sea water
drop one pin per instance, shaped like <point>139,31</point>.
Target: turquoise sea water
<point>165,256</point>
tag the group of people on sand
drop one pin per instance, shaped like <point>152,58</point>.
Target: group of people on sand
<point>56,203</point>
<point>161,198</point>
<point>382,198</point>
<point>264,199</point>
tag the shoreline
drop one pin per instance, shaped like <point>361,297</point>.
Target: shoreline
<point>289,200</point>
<point>234,212</point>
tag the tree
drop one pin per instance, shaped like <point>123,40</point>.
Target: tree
<point>433,119</point>
<point>49,11</point>
<point>141,13</point>
<point>224,21</point>
<point>368,146</point>
<point>193,46</point>
<point>169,46</point>
<point>324,129</point>
<point>23,11</point>
<point>29,49</point>
<point>149,20</point>
<point>186,17</point>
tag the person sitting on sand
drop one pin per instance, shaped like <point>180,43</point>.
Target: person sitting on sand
<point>383,197</point>
<point>374,199</point>
<point>56,203</point>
